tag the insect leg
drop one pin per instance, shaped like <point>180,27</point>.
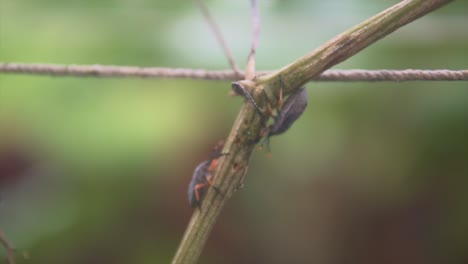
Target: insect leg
<point>197,189</point>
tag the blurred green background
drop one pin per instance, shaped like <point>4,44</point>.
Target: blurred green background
<point>372,172</point>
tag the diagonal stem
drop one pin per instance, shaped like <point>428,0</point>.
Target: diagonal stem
<point>247,126</point>
<point>349,43</point>
<point>231,169</point>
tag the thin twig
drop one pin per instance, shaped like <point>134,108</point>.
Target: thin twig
<point>219,36</point>
<point>103,71</point>
<point>250,67</point>
<point>9,248</point>
<point>248,125</point>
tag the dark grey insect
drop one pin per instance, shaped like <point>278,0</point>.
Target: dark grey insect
<point>291,110</point>
<point>240,90</point>
<point>197,186</point>
<point>201,179</point>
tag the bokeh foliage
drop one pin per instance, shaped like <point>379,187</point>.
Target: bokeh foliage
<point>373,172</point>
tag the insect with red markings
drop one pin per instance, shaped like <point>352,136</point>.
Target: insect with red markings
<point>202,178</point>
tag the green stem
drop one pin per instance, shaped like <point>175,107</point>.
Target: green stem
<point>232,168</point>
<point>348,44</point>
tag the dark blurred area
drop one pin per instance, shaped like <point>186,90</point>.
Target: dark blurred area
<point>14,163</point>
<point>96,170</point>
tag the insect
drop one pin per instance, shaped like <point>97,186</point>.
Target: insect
<point>239,89</point>
<point>202,179</point>
<point>289,112</point>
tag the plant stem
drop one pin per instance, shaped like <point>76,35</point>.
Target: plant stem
<point>348,44</point>
<point>232,168</point>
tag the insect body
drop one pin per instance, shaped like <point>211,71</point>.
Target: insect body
<point>291,110</point>
<point>202,179</point>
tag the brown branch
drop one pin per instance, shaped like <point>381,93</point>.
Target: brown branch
<point>240,143</point>
<point>219,36</point>
<point>392,75</point>
<point>58,70</point>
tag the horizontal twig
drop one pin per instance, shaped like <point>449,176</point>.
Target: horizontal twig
<point>59,70</point>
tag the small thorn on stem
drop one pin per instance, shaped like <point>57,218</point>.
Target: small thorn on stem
<point>280,99</point>
<point>269,110</point>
